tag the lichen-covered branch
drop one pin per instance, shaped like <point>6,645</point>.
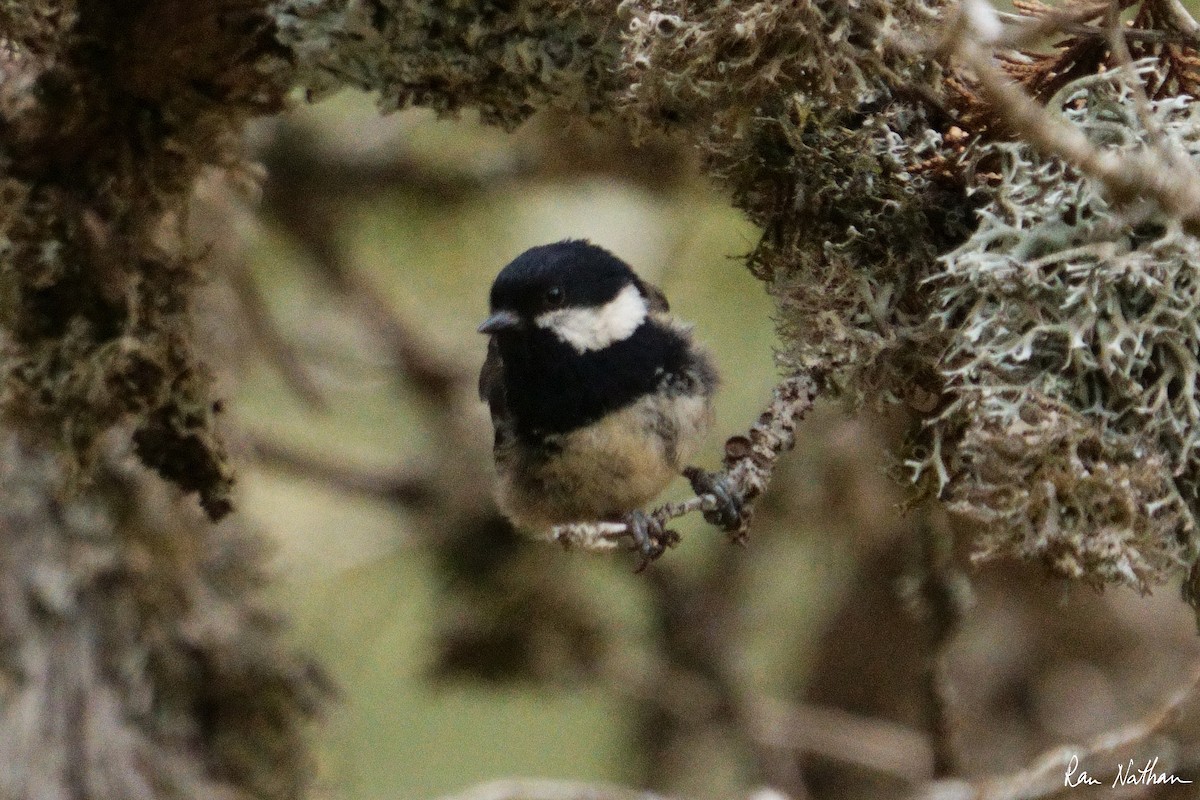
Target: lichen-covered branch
<point>505,59</point>
<point>108,113</point>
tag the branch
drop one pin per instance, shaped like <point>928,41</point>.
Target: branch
<point>749,462</point>
<point>1044,777</point>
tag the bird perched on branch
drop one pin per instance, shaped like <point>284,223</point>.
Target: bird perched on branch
<point>598,396</point>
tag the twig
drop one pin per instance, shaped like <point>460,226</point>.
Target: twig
<point>536,789</point>
<point>1031,29</point>
<point>880,745</point>
<point>393,486</point>
<point>749,462</point>
<point>1118,44</point>
<point>1045,775</point>
<point>1183,20</point>
<point>305,164</point>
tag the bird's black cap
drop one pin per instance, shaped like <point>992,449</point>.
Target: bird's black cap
<point>586,276</point>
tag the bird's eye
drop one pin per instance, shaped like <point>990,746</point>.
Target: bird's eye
<point>554,297</point>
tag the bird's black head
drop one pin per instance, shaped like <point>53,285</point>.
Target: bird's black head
<point>582,293</point>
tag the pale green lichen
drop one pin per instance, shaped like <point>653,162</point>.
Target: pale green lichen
<point>1073,360</point>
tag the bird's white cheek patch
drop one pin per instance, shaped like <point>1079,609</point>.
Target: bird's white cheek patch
<point>596,328</point>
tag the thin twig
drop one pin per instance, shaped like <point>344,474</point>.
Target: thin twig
<point>393,486</point>
<point>1026,31</point>
<point>749,462</point>
<point>537,789</point>
<point>1118,44</point>
<point>872,743</point>
<point>1183,21</point>
<point>304,164</point>
<point>1032,29</point>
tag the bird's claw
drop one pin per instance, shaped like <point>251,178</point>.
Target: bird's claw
<point>650,537</point>
<point>728,515</point>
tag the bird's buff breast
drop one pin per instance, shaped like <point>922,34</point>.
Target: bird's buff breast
<point>606,469</point>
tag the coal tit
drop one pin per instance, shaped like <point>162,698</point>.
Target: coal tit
<point>598,397</point>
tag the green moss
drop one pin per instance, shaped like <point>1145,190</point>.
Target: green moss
<point>507,59</point>
<point>116,117</point>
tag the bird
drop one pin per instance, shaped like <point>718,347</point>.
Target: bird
<point>598,396</point>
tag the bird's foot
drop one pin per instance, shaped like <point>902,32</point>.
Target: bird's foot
<point>728,515</point>
<point>650,537</point>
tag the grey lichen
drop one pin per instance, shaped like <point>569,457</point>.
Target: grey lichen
<point>1072,364</point>
<point>869,214</point>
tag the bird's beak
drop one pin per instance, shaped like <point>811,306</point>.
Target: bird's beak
<point>500,321</point>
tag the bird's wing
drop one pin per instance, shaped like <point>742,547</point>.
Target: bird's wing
<point>491,391</point>
<point>491,387</point>
<point>655,297</point>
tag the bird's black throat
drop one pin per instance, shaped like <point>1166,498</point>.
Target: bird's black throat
<point>552,388</point>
